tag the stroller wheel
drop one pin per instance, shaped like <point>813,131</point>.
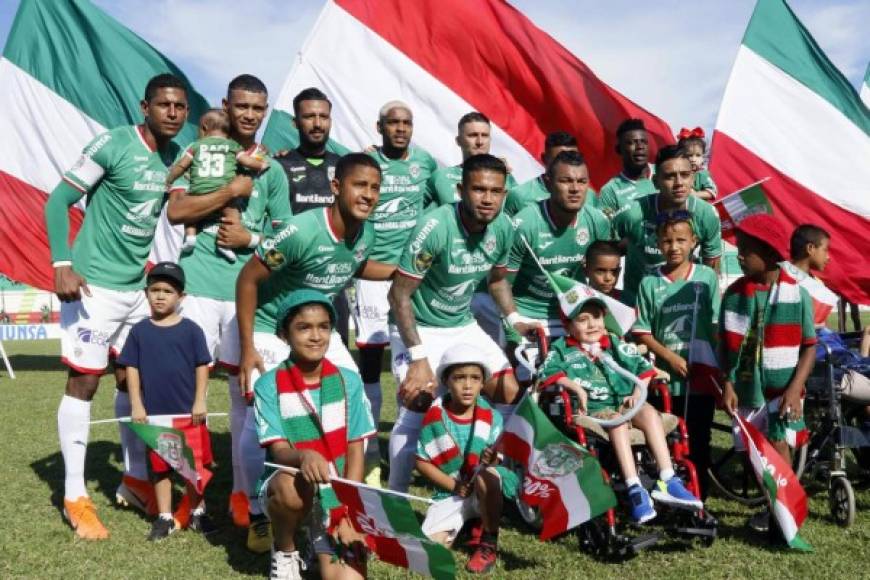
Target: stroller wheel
<point>530,515</point>
<point>842,501</point>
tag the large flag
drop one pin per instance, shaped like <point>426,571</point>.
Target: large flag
<point>790,115</point>
<point>561,478</point>
<point>445,59</point>
<point>170,443</point>
<point>786,497</point>
<point>392,530</point>
<point>68,73</point>
<point>865,88</point>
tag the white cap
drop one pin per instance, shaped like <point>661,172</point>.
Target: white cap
<point>461,354</point>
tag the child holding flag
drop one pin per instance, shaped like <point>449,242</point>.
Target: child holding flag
<point>767,339</point>
<point>455,452</point>
<point>582,362</point>
<point>167,374</point>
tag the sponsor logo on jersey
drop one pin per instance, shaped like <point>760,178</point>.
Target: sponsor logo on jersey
<point>98,144</point>
<point>424,232</point>
<point>91,336</point>
<point>360,253</point>
<point>628,349</point>
<point>330,173</point>
<point>143,212</point>
<point>339,268</point>
<point>325,249</point>
<point>582,236</point>
<point>280,237</point>
<point>460,289</point>
<point>544,245</point>
<point>298,178</point>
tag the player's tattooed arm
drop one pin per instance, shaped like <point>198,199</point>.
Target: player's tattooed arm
<point>400,304</point>
<point>378,271</point>
<point>254,273</point>
<point>178,169</point>
<point>185,209</point>
<point>416,391</point>
<point>503,296</point>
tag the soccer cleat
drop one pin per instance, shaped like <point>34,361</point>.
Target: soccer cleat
<point>239,504</point>
<point>227,254</point>
<point>642,509</point>
<point>188,244</point>
<point>259,534</point>
<point>484,558</point>
<point>675,494</point>
<point>82,516</point>
<point>760,522</point>
<point>138,494</point>
<point>286,566</point>
<point>203,524</point>
<point>161,529</point>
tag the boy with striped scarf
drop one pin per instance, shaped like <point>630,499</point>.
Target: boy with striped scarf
<point>456,453</point>
<point>767,339</point>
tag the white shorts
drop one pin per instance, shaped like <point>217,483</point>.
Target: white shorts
<point>437,340</point>
<point>274,351</point>
<point>217,318</point>
<point>97,324</point>
<point>449,515</point>
<point>488,317</point>
<point>370,311</point>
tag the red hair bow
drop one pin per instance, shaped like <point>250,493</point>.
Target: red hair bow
<point>685,133</point>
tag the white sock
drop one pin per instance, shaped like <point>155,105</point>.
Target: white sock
<point>253,457</point>
<point>132,447</point>
<point>198,511</point>
<point>632,481</point>
<point>238,409</point>
<point>73,417</point>
<point>403,448</point>
<point>506,411</point>
<point>666,474</point>
<point>166,516</point>
<point>375,397</point>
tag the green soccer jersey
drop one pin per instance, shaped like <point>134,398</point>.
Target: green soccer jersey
<point>442,186</point>
<point>560,251</point>
<point>666,309</point>
<point>125,183</point>
<point>618,194</point>
<point>403,187</point>
<point>703,180</point>
<point>450,261</point>
<point>534,190</point>
<point>638,224</point>
<point>213,163</point>
<point>209,274</point>
<point>308,254</point>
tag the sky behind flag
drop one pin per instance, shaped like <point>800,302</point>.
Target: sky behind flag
<point>671,60</point>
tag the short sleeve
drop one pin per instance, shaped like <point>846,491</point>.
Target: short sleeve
<point>130,353</point>
<point>601,228</point>
<point>267,415</point>
<point>628,224</point>
<point>607,200</point>
<point>278,205</point>
<point>423,245</point>
<point>188,152</point>
<point>200,346</point>
<point>282,249</point>
<point>518,250</point>
<point>711,237</point>
<point>360,424</point>
<point>631,360</point>
<point>507,240</point>
<point>808,327</point>
<point>430,195</point>
<point>705,181</point>
<point>644,307</point>
<point>513,201</point>
<point>95,161</point>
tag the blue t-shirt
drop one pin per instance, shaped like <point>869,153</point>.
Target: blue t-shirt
<point>167,357</point>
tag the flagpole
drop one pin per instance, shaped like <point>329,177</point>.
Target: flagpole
<point>128,419</point>
<point>697,288</point>
<point>741,190</point>
<point>295,470</point>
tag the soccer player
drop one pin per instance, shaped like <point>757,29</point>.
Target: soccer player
<point>406,170</point>
<point>559,230</point>
<point>99,282</point>
<point>634,181</point>
<point>637,225</point>
<point>320,249</point>
<point>210,300</point>
<point>448,253</point>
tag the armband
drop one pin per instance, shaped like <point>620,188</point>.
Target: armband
<point>417,352</point>
<point>513,318</point>
<point>255,241</point>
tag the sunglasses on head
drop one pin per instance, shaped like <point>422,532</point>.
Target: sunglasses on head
<point>676,215</point>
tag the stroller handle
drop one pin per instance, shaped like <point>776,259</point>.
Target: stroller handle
<point>641,387</point>
<point>541,337</point>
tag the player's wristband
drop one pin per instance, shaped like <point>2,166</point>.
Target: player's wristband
<point>513,318</point>
<point>255,241</point>
<point>417,352</point>
<point>61,263</point>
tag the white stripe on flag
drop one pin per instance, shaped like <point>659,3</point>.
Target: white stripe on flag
<point>360,71</point>
<point>418,558</point>
<point>371,501</point>
<point>519,426</point>
<point>573,499</point>
<point>736,322</point>
<point>780,357</point>
<point>784,518</point>
<point>768,111</point>
<point>735,205</point>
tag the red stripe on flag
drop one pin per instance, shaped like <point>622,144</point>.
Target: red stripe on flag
<point>389,550</point>
<point>24,252</point>
<point>515,447</point>
<point>554,514</point>
<point>733,166</point>
<point>503,65</point>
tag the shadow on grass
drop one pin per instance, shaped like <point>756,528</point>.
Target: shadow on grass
<point>33,362</point>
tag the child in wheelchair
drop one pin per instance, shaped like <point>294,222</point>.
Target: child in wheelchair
<point>585,363</point>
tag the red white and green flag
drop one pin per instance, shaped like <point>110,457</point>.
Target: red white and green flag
<point>448,58</point>
<point>788,114</point>
<point>561,478</point>
<point>164,436</point>
<point>68,73</point>
<point>392,531</point>
<point>865,88</point>
<point>741,204</point>
<point>786,497</point>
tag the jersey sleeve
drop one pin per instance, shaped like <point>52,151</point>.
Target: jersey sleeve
<point>628,224</point>
<point>808,327</point>
<point>267,415</point>
<point>95,160</point>
<point>715,296</point>
<point>284,248</point>
<point>430,196</point>
<point>130,353</point>
<point>360,424</point>
<point>631,360</point>
<point>423,245</point>
<point>513,201</point>
<point>278,205</point>
<point>601,228</point>
<point>607,201</point>
<point>518,248</point>
<point>711,234</point>
<point>508,234</point>
<point>644,308</point>
<point>200,346</point>
<point>705,181</point>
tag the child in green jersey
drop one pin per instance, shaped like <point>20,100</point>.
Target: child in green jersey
<point>692,140</point>
<point>213,160</point>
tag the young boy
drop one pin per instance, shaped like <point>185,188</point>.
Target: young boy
<point>677,310</point>
<point>692,140</point>
<point>576,362</point>
<point>767,337</point>
<point>167,374</point>
<point>313,416</point>
<point>603,266</point>
<point>213,161</point>
<point>455,452</point>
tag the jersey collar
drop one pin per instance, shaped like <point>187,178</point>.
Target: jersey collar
<point>668,278</point>
<point>330,229</point>
<point>140,133</point>
<point>461,224</point>
<point>545,209</point>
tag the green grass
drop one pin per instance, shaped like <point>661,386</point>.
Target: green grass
<point>35,541</point>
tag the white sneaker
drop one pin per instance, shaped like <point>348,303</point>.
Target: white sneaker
<point>286,565</point>
<point>228,254</point>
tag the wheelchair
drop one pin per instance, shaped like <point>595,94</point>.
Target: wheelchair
<point>612,536</point>
<point>836,397</point>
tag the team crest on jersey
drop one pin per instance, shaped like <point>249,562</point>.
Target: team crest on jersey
<point>414,170</point>
<point>582,237</point>
<point>360,252</point>
<point>422,261</point>
<point>330,173</point>
<point>557,460</point>
<point>489,245</point>
<point>273,258</point>
<point>628,349</point>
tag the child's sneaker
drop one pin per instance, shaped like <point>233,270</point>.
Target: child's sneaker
<point>286,565</point>
<point>484,558</point>
<point>188,244</point>
<point>239,505</point>
<point>760,521</point>
<point>227,254</point>
<point>642,509</point>
<point>200,522</point>
<point>259,534</point>
<point>674,493</point>
<point>138,494</point>
<point>82,516</point>
<point>161,529</point>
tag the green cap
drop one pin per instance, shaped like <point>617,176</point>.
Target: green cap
<point>299,298</point>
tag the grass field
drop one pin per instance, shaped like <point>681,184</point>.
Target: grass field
<point>35,542</point>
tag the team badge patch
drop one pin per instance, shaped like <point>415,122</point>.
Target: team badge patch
<point>273,258</point>
<point>360,253</point>
<point>557,460</point>
<point>489,245</point>
<point>414,170</point>
<point>582,237</point>
<point>330,173</point>
<point>571,297</point>
<point>423,261</point>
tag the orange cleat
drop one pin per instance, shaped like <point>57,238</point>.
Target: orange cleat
<point>239,505</point>
<point>138,494</point>
<point>82,516</point>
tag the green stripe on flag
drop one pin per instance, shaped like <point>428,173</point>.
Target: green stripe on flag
<point>441,562</point>
<point>754,197</point>
<point>775,34</point>
<point>400,514</point>
<point>281,133</point>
